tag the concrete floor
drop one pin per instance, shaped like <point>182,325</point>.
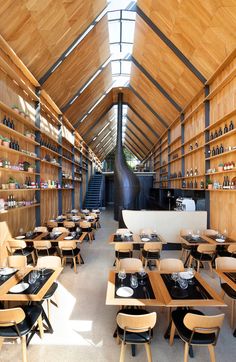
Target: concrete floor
<point>83,324</point>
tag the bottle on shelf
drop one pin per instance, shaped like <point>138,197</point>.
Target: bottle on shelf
<point>217,150</point>
<point>195,171</point>
<point>191,184</point>
<point>190,147</point>
<point>220,132</point>
<point>213,152</point>
<point>4,121</point>
<point>226,128</point>
<point>183,184</point>
<point>231,126</point>
<point>221,150</point>
<point>196,144</point>
<point>202,184</point>
<point>215,134</point>
<point>211,136</point>
<point>195,184</point>
<point>191,172</point>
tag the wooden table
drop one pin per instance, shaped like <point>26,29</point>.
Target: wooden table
<point>136,239</point>
<point>59,238</point>
<point>17,277</point>
<point>225,277</point>
<point>208,240</point>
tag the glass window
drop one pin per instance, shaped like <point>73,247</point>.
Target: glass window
<point>125,67</point>
<point>114,31</point>
<point>113,15</point>
<point>115,66</point>
<point>128,31</point>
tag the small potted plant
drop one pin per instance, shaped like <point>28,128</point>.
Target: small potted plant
<point>15,108</point>
<point>209,184</point>
<point>12,183</point>
<point>220,167</point>
<point>31,168</point>
<point>6,142</point>
<point>1,140</point>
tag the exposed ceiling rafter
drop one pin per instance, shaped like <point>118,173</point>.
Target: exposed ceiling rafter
<point>132,132</point>
<point>139,129</point>
<point>143,120</point>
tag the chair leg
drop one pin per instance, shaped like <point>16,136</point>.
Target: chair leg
<point>190,261</point>
<point>122,352</point>
<point>148,351</point>
<point>24,353</point>
<point>172,333</point>
<point>1,342</point>
<point>186,349</point>
<point>79,259</point>
<point>232,314</point>
<point>49,309</point>
<point>40,325</point>
<point>33,258</point>
<point>212,352</point>
<point>198,265</point>
<point>145,265</point>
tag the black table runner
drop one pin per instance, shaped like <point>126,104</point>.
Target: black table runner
<point>35,288</point>
<point>195,241</point>
<point>4,278</point>
<point>144,291</point>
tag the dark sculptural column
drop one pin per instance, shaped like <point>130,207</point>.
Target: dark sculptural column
<point>126,182</point>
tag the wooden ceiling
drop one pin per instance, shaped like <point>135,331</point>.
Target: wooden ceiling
<point>178,45</point>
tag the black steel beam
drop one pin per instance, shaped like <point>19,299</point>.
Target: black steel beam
<point>143,120</point>
<point>148,106</point>
<point>156,84</point>
<point>99,119</point>
<point>60,60</point>
<point>131,139</point>
<point>139,129</point>
<point>171,45</point>
<point>131,131</point>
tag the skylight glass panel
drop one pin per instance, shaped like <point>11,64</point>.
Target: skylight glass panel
<point>128,15</point>
<point>115,66</point>
<point>115,49</point>
<point>114,31</point>
<point>125,67</point>
<point>126,49</point>
<point>128,32</point>
<point>113,15</point>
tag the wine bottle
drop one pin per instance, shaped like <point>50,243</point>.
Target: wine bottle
<point>226,129</point>
<point>213,152</point>
<point>231,126</point>
<point>217,150</point>
<point>190,147</point>
<point>220,132</point>
<point>196,144</point>
<point>8,122</point>
<point>12,124</point>
<point>221,148</point>
<point>202,184</point>
<point>195,184</point>
<point>211,136</point>
<point>191,172</point>
<point>187,173</point>
<point>215,134</point>
<point>195,171</point>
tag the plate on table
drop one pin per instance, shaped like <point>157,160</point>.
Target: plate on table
<point>145,239</point>
<point>195,236</point>
<point>220,240</point>
<point>20,237</point>
<point>7,271</point>
<point>186,275</point>
<point>57,232</point>
<point>18,288</point>
<point>68,237</point>
<point>125,292</point>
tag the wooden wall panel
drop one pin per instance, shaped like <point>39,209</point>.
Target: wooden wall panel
<point>80,65</point>
<point>52,24</point>
<point>141,125</point>
<point>66,201</point>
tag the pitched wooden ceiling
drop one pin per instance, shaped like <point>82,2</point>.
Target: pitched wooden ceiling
<point>178,45</point>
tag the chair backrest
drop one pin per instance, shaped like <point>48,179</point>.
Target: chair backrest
<point>17,261</point>
<point>85,224</point>
<point>206,248</point>
<point>147,231</point>
<point>123,247</point>
<point>69,224</point>
<point>204,324</point>
<point>122,231</point>
<point>52,224</point>
<point>130,264</point>
<point>171,265</point>
<point>184,232</point>
<point>136,323</point>
<point>232,249</point>
<point>41,229</point>
<point>42,244</point>
<point>209,232</point>
<point>225,263</point>
<point>67,245</point>
<point>49,262</point>
<point>153,246</point>
<point>93,215</point>
<point>62,229</point>
<point>17,244</point>
<point>12,316</point>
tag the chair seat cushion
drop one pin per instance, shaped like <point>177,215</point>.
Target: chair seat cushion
<point>32,313</point>
<point>228,290</point>
<point>125,254</point>
<point>71,253</point>
<point>186,247</point>
<point>151,254</point>
<point>185,333</point>
<point>50,251</point>
<point>26,251</point>
<point>50,291</point>
<point>132,337</point>
<point>201,256</point>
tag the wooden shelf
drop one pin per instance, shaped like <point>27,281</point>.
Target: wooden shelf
<point>19,208</point>
<point>192,188</point>
<point>220,137</point>
<point>14,190</point>
<point>48,136</point>
<point>49,189</point>
<point>67,149</point>
<point>7,149</point>
<point>220,86</point>
<point>18,171</point>
<point>174,141</point>
<point>50,151</point>
<point>176,159</point>
<point>221,120</point>
<point>51,164</point>
<point>17,116</point>
<point>220,190</point>
<point>67,159</point>
<point>192,112</point>
<point>193,151</point>
<point>66,188</point>
<point>220,172</point>
<point>193,138</point>
<point>220,155</point>
<point>165,148</point>
<point>67,179</point>
<point>175,150</point>
<point>187,177</point>
<point>175,179</point>
<point>18,134</point>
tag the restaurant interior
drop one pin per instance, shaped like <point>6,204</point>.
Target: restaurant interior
<point>117,180</point>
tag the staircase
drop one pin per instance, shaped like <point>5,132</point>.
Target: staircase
<point>93,198</point>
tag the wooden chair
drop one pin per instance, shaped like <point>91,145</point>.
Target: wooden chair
<point>204,253</point>
<point>51,262</point>
<point>227,263</point>
<point>186,249</point>
<point>62,229</point>
<point>44,247</point>
<point>40,229</point>
<point>17,261</point>
<point>130,264</point>
<point>151,251</point>
<point>52,224</point>
<point>122,231</point>
<point>122,250</point>
<point>135,326</point>
<point>19,323</point>
<point>209,232</point>
<point>19,247</point>
<point>69,250</point>
<point>87,227</point>
<point>230,251</point>
<point>196,329</point>
<point>171,265</point>
<point>70,225</point>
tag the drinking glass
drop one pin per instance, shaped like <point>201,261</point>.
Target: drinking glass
<point>134,281</point>
<point>175,277</point>
<point>191,271</point>
<point>21,231</point>
<point>33,276</point>
<point>142,273</point>
<point>183,283</point>
<point>122,276</point>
